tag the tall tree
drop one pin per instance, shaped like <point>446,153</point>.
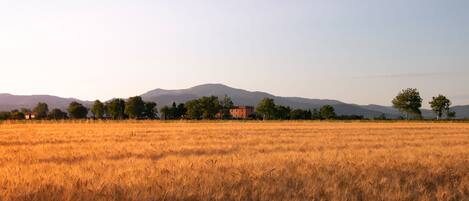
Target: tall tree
<point>135,107</point>
<point>165,113</point>
<point>409,102</point>
<point>181,111</point>
<point>115,108</point>
<point>226,105</point>
<point>315,114</point>
<point>440,105</point>
<point>194,109</point>
<point>266,108</point>
<point>173,111</point>
<point>210,106</point>
<point>41,110</point>
<point>308,115</point>
<point>327,112</point>
<point>57,114</point>
<point>77,110</point>
<point>282,112</point>
<point>150,111</point>
<point>98,109</point>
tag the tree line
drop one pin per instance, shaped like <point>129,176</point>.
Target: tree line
<point>211,107</point>
<point>204,108</point>
<point>116,109</point>
<point>268,110</point>
<point>408,102</point>
<point>207,107</point>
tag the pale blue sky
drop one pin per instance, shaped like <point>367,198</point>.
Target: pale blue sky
<point>358,51</point>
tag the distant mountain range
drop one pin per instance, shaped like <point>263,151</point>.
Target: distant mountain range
<point>9,102</point>
<point>240,97</point>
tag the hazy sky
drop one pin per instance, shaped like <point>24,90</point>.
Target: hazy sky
<point>359,51</point>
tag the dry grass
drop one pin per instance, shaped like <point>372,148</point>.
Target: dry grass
<point>234,161</point>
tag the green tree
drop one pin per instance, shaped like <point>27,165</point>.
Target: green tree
<point>135,107</point>
<point>77,110</point>
<point>5,115</point>
<point>181,111</point>
<point>282,112</point>
<point>440,105</point>
<point>299,114</point>
<point>408,101</point>
<point>194,109</point>
<point>115,108</point>
<point>209,106</point>
<point>308,115</point>
<point>226,105</point>
<point>173,111</point>
<point>57,114</point>
<point>266,108</point>
<point>150,111</point>
<point>98,109</point>
<point>165,113</point>
<point>327,112</point>
<point>315,114</point>
<point>41,110</point>
<point>16,115</point>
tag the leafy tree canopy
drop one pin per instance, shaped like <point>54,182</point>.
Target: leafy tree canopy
<point>440,105</point>
<point>409,102</point>
<point>135,107</point>
<point>282,112</point>
<point>266,108</point>
<point>115,108</point>
<point>41,110</point>
<point>57,114</point>
<point>98,109</point>
<point>209,106</point>
<point>194,109</point>
<point>150,111</point>
<point>77,111</point>
<point>226,105</point>
<point>327,112</point>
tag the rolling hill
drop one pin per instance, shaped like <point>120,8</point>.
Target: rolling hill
<point>239,96</point>
<point>461,111</point>
<point>243,97</point>
<point>9,102</point>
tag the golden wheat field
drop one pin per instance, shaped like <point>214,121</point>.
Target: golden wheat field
<point>233,161</point>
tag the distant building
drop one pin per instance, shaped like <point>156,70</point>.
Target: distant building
<point>30,115</point>
<point>242,112</point>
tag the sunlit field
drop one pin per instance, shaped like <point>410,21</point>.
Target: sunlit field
<point>234,161</point>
